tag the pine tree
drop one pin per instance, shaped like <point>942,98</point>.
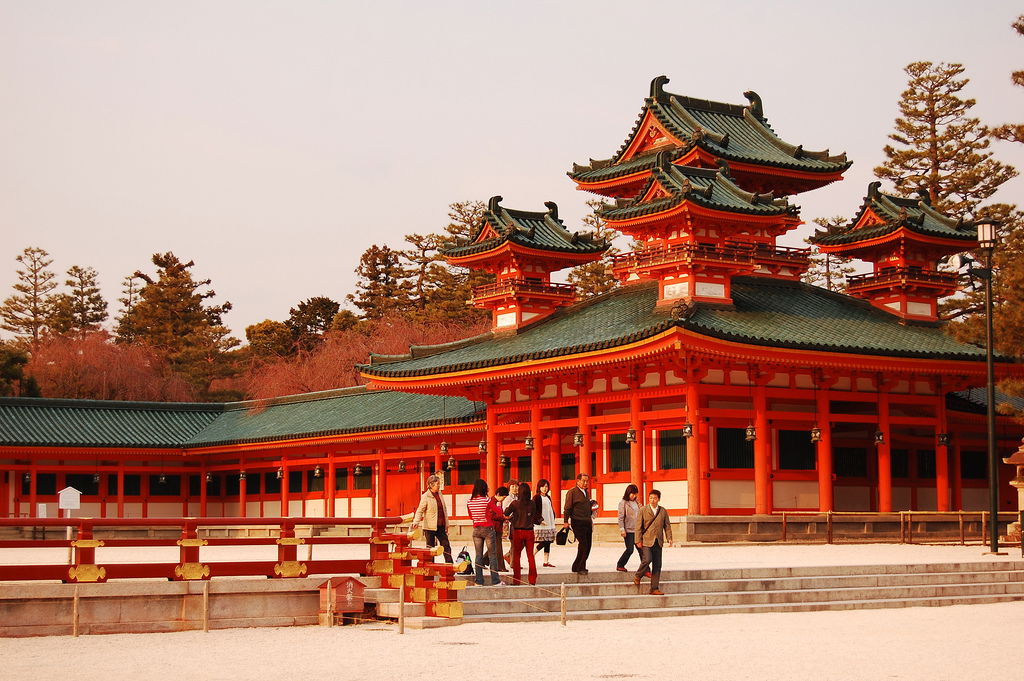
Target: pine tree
<point>27,311</point>
<point>12,363</point>
<point>595,278</point>
<point>381,287</point>
<point>82,309</point>
<point>939,147</point>
<point>451,288</point>
<point>1013,132</point>
<point>422,261</point>
<point>130,287</point>
<point>828,270</point>
<point>310,319</point>
<point>270,340</point>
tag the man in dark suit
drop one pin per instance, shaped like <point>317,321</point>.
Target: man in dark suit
<point>579,513</point>
<point>653,529</point>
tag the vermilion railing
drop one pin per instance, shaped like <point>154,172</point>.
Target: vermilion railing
<point>83,566</point>
<point>731,252</point>
<point>514,286</point>
<point>900,274</point>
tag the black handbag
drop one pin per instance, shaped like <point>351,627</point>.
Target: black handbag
<point>562,536</point>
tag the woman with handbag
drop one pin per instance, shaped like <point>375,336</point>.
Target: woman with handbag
<point>544,533</point>
<point>523,514</point>
<point>484,512</point>
<point>628,510</point>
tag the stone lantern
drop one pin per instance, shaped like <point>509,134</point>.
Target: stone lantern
<point>1013,531</point>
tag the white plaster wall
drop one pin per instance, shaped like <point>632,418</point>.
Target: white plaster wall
<point>294,508</point>
<point>362,507</point>
<point>252,509</point>
<point>164,510</point>
<point>674,493</point>
<point>613,492</point>
<point>975,499</point>
<point>272,509</point>
<point>230,510</point>
<point>926,499</point>
<point>795,494</point>
<point>732,493</point>
<point>460,505</point>
<point>852,498</point>
<point>314,508</point>
<point>901,498</point>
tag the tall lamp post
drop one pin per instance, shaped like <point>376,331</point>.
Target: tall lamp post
<point>987,243</point>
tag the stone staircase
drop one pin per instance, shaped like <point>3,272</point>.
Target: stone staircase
<point>610,595</point>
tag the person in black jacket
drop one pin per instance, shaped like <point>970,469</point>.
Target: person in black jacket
<point>579,513</point>
<point>523,514</point>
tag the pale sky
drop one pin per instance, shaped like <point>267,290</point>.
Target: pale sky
<point>273,142</point>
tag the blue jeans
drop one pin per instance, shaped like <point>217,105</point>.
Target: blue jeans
<point>485,536</point>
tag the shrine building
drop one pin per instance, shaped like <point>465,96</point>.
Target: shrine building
<point>712,373</point>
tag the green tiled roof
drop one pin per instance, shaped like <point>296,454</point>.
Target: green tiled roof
<point>93,423</point>
<point>704,187</point>
<point>914,215</point>
<point>85,423</point>
<point>334,412</point>
<point>541,231</point>
<point>767,312</point>
<point>730,131</point>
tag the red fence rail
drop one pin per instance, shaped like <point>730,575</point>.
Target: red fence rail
<point>83,566</point>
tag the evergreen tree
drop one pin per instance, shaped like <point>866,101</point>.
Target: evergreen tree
<point>939,146</point>
<point>310,319</point>
<point>130,287</point>
<point>451,288</point>
<point>270,340</point>
<point>172,316</point>
<point>421,260</point>
<point>828,270</point>
<point>83,308</point>
<point>381,287</point>
<point>595,278</point>
<point>1013,132</point>
<point>12,363</point>
<point>27,311</point>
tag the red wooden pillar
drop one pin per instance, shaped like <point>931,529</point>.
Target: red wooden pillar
<point>203,491</point>
<point>285,477</point>
<point>381,490</point>
<point>636,449</point>
<point>884,455</point>
<point>537,455</point>
<point>555,458</point>
<point>826,492</point>
<point>704,456</point>
<point>120,489</point>
<point>694,473</point>
<point>492,449</point>
<point>762,453</point>
<point>242,480</point>
<point>330,486</point>
<point>941,454</point>
<point>33,508</point>
<point>144,488</point>
<point>439,465</point>
<point>957,481</point>
<point>583,416</point>
<point>5,485</point>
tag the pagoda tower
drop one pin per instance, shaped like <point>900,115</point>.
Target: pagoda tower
<point>699,229</point>
<point>522,249</point>
<point>904,239</point>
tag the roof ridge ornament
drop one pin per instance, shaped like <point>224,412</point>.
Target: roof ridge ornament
<point>924,196</point>
<point>552,209</point>
<point>492,203</point>
<point>873,190</point>
<point>723,167</point>
<point>658,87</point>
<point>756,106</point>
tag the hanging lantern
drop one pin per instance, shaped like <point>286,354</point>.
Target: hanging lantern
<point>96,478</point>
<point>751,433</point>
<point>482,447</point>
<point>815,434</point>
<point>357,471</point>
<point>631,436</point>
<point>879,437</point>
<point>280,473</point>
<point>687,430</point>
<point>943,439</point>
<point>162,479</point>
<point>209,477</point>
<point>401,465</point>
<point>444,447</point>
<point>317,472</point>
<point>577,439</point>
<point>451,463</point>
<point>528,443</point>
<point>503,461</point>
<point>241,475</point>
<point>28,477</point>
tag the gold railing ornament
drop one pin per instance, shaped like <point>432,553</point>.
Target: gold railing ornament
<point>192,542</point>
<point>87,543</point>
<point>87,573</point>
<point>290,541</point>
<point>190,571</point>
<point>289,568</point>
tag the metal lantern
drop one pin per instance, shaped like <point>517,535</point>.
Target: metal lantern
<point>28,477</point>
<point>162,479</point>
<point>482,447</point>
<point>357,471</point>
<point>751,433</point>
<point>879,437</point>
<point>503,461</point>
<point>451,463</point>
<point>687,430</point>
<point>631,436</point>
<point>528,443</point>
<point>444,447</point>
<point>242,475</point>
<point>96,478</point>
<point>280,473</point>
<point>209,477</point>
<point>577,439</point>
<point>317,472</point>
<point>943,439</point>
<point>815,434</point>
<point>401,465</point>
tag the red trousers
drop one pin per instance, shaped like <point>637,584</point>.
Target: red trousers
<point>523,539</point>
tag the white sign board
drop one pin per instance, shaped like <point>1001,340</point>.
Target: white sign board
<point>69,499</point>
<point>40,510</point>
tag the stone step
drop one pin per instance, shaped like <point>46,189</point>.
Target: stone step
<point>624,585</point>
<point>744,608</point>
<point>673,599</point>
